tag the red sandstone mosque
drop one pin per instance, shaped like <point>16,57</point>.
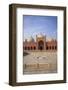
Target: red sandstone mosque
<point>40,44</point>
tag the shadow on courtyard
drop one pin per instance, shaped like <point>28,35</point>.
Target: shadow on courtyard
<point>25,53</point>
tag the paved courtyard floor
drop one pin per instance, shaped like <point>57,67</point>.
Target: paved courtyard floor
<point>40,62</point>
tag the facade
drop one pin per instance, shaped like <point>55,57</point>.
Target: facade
<point>40,44</point>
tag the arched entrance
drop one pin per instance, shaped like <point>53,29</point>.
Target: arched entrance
<point>41,45</point>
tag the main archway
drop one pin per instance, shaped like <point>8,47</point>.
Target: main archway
<point>41,45</point>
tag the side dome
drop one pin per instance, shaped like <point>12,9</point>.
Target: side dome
<point>31,39</point>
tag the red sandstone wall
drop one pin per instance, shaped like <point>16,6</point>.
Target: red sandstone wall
<point>50,45</point>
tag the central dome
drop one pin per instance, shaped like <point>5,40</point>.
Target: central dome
<point>39,35</point>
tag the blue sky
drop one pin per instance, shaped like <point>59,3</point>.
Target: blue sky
<point>34,25</point>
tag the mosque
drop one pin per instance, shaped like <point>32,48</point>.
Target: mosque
<point>41,43</point>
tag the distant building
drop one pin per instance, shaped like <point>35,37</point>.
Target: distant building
<point>40,44</point>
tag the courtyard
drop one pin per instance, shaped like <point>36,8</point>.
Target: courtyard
<point>40,62</point>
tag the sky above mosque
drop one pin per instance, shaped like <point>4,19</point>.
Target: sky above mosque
<point>34,25</point>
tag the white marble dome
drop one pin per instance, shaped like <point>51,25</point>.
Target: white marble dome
<point>39,35</point>
<point>49,39</point>
<point>30,39</point>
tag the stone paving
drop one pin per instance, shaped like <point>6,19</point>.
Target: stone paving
<point>40,63</point>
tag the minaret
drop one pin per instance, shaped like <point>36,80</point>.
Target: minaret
<point>36,43</point>
<point>44,42</point>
